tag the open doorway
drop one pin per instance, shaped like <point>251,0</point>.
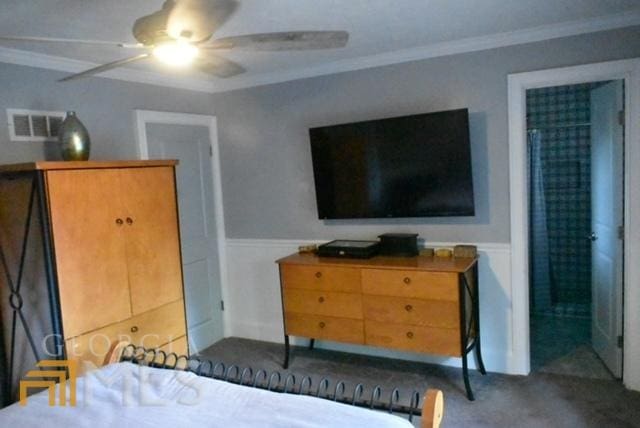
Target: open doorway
<point>575,150</point>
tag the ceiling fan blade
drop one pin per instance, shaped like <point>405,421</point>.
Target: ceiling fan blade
<point>218,66</point>
<point>105,67</point>
<point>74,41</point>
<point>285,41</point>
<point>196,20</point>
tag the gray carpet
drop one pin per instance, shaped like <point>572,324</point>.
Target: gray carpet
<point>539,400</point>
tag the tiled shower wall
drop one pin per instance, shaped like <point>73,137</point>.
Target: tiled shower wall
<point>562,115</point>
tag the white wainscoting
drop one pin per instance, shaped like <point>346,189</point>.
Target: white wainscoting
<point>254,310</point>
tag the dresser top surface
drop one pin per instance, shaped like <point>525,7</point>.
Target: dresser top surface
<point>422,263</point>
<point>59,165</point>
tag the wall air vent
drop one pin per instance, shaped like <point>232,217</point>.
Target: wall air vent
<point>34,125</point>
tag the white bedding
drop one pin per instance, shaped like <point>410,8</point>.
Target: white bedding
<point>131,396</point>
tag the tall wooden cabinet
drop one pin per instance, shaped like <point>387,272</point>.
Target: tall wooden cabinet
<point>108,237</point>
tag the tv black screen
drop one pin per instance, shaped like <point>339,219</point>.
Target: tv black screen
<point>411,166</point>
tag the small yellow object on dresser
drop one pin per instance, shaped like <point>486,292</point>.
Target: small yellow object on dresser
<point>465,251</point>
<point>306,249</point>
<point>427,252</point>
<point>443,252</point>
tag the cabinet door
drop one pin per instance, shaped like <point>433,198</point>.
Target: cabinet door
<point>153,246</point>
<point>89,247</point>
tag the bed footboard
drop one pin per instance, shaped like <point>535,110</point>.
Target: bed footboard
<point>432,408</point>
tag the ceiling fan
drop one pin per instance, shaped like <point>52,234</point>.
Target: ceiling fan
<point>180,34</point>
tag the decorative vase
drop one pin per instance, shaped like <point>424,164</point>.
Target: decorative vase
<point>75,143</point>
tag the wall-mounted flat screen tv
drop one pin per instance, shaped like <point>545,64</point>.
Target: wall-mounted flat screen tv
<point>411,166</point>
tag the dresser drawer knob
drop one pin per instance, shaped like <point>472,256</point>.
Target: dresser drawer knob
<point>129,221</point>
<point>318,275</point>
<point>321,324</point>
<point>134,329</point>
<point>410,334</point>
<point>321,299</point>
<point>119,221</point>
<point>407,280</point>
<point>408,308</point>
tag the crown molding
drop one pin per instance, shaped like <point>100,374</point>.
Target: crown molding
<point>472,44</point>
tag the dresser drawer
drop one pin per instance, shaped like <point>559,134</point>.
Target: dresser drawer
<point>151,329</point>
<point>321,278</point>
<point>422,285</point>
<point>432,340</point>
<point>404,310</point>
<point>326,328</point>
<point>345,305</point>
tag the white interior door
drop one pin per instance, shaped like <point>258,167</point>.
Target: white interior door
<point>191,145</point>
<point>607,192</point>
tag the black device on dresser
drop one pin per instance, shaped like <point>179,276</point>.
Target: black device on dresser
<point>349,249</point>
<point>399,244</point>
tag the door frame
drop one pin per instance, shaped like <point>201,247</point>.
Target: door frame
<point>144,117</point>
<point>518,84</point>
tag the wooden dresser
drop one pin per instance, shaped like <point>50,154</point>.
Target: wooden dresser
<point>419,304</point>
<point>92,251</point>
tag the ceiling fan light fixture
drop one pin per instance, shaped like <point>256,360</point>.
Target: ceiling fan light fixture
<point>177,54</point>
<point>177,33</point>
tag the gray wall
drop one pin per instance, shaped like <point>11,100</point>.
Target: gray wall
<point>105,106</point>
<point>266,161</point>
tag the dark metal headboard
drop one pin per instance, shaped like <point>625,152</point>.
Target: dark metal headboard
<point>275,381</point>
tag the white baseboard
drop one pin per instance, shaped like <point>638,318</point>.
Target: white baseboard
<point>254,308</point>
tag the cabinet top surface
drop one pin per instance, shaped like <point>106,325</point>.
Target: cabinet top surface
<point>58,165</point>
<point>423,263</point>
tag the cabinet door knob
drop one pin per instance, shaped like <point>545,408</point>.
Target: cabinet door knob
<point>119,221</point>
<point>321,324</point>
<point>321,299</point>
<point>410,334</point>
<point>408,308</point>
<point>407,280</point>
<point>318,274</point>
<point>129,221</point>
<point>134,329</point>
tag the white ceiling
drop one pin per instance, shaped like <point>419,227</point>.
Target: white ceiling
<point>378,28</point>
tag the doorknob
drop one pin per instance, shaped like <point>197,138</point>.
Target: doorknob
<point>593,237</point>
